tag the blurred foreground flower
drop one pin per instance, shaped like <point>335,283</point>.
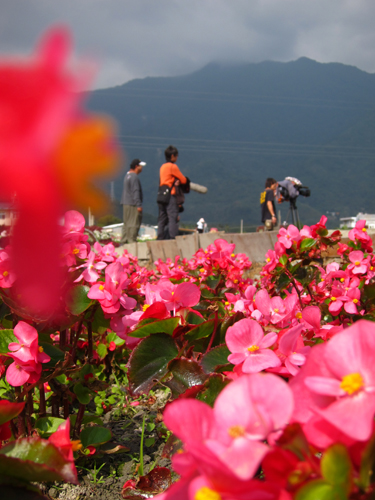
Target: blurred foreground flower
<point>49,151</point>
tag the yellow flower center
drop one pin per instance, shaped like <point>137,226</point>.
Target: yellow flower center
<point>268,259</point>
<point>101,287</point>
<point>364,229</point>
<point>145,306</point>
<point>276,310</point>
<point>253,348</point>
<point>299,315</point>
<point>235,281</point>
<point>357,262</point>
<point>40,349</point>
<point>75,251</point>
<point>233,255</point>
<point>352,383</point>
<point>342,280</point>
<point>201,270</point>
<point>333,299</point>
<point>355,301</point>
<point>226,303</point>
<point>236,431</point>
<point>5,273</point>
<point>205,493</point>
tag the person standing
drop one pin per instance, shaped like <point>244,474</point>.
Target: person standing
<point>267,203</point>
<point>170,175</point>
<point>132,198</point>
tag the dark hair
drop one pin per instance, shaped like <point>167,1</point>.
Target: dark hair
<point>269,182</point>
<point>171,150</point>
<point>134,164</point>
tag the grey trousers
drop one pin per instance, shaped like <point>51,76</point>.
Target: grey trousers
<point>132,222</point>
<point>168,219</point>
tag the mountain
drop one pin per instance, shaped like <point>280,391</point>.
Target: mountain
<point>236,125</point>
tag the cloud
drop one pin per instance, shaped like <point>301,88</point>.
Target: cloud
<point>139,38</point>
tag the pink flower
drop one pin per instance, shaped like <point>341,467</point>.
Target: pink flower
<point>338,384</point>
<point>90,274</point>
<point>221,248</point>
<point>358,264</point>
<point>288,236</point>
<point>226,442</point>
<point>360,233</point>
<point>109,293</point>
<point>293,350</point>
<point>7,276</point>
<point>107,253</point>
<point>74,222</point>
<point>182,295</point>
<point>61,439</point>
<point>27,356</point>
<point>248,345</point>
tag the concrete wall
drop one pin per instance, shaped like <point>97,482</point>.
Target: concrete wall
<point>254,245</point>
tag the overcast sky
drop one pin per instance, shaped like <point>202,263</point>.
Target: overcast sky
<point>138,38</point>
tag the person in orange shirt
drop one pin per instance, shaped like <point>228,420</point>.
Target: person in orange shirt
<point>170,175</point>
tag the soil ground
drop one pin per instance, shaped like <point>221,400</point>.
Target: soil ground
<point>117,468</point>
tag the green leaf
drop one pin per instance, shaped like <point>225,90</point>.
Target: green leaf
<point>149,442</point>
<point>95,436</point>
<point>77,301</point>
<point>213,387</point>
<point>6,337</point>
<point>35,459</point>
<point>308,243</point>
<point>283,259</point>
<point>367,464</point>
<point>224,325</point>
<point>206,294</point>
<point>149,361</point>
<point>218,356</point>
<point>158,326</point>
<point>113,337</point>
<point>48,425</point>
<point>187,371</point>
<point>200,331</point>
<point>82,393</point>
<point>53,352</point>
<point>212,282</point>
<point>336,466</point>
<point>102,351</point>
<point>316,490</point>
<point>194,319</point>
<point>100,324</point>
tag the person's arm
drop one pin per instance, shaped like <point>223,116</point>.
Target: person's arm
<point>270,207</point>
<point>177,173</point>
<point>136,190</point>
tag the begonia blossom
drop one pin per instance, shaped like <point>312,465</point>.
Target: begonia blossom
<point>248,345</point>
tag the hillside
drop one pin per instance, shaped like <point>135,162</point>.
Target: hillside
<point>236,125</point>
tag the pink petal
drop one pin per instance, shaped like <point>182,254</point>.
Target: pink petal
<point>288,341</point>
<point>16,376</point>
<point>324,385</point>
<point>243,334</point>
<point>353,415</point>
<point>312,316</point>
<point>189,419</point>
<point>187,294</point>
<point>268,340</point>
<point>260,360</point>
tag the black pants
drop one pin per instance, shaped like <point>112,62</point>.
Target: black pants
<point>168,219</point>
